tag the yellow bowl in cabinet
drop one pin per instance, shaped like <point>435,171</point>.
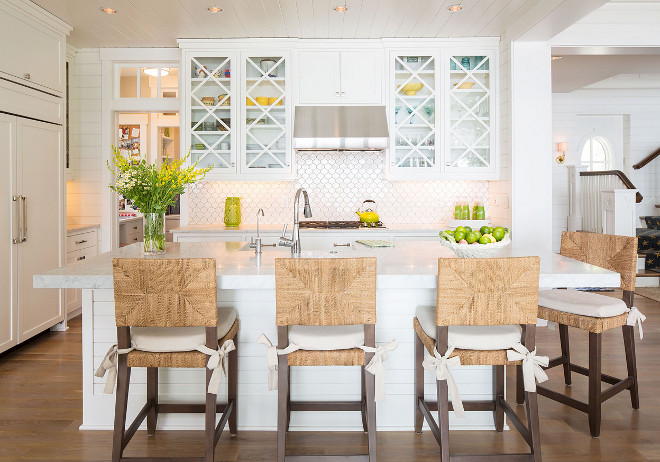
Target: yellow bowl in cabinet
<point>248,101</point>
<point>271,101</point>
<point>411,89</point>
<point>262,100</point>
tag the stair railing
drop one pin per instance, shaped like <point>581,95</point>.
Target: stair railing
<point>587,208</point>
<point>647,159</point>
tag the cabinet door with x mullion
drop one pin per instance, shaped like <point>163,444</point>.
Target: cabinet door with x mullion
<point>212,102</point>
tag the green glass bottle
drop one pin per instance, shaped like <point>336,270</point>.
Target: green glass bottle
<point>232,211</point>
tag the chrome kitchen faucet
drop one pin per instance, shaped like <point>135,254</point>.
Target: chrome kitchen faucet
<point>294,242</point>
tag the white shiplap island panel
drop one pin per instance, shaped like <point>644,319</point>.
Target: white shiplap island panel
<point>406,279</point>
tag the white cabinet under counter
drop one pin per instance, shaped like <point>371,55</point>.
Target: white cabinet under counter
<point>81,244</point>
<point>130,230</point>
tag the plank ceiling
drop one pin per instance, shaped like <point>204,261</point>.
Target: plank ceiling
<point>158,23</point>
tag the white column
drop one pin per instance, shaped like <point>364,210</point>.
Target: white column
<point>531,145</point>
<point>574,198</point>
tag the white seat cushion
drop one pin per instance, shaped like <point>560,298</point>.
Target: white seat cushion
<point>471,337</point>
<point>172,339</point>
<point>327,337</point>
<point>582,303</point>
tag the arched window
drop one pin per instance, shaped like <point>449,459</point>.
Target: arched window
<point>597,154</point>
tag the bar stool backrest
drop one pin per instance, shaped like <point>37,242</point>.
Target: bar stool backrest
<point>615,253</point>
<point>165,292</point>
<point>487,291</point>
<point>325,291</point>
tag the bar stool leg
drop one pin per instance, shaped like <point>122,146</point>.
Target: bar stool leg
<point>443,420</point>
<point>520,386</point>
<point>565,352</point>
<point>232,390</point>
<point>631,361</point>
<point>533,424</point>
<point>152,395</point>
<point>363,399</point>
<point>282,407</point>
<point>370,382</point>
<point>595,350</point>
<point>419,383</point>
<point>121,402</point>
<point>498,390</point>
<point>209,421</point>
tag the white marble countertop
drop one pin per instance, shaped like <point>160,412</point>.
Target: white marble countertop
<point>268,228</point>
<point>409,265</point>
<point>72,229</point>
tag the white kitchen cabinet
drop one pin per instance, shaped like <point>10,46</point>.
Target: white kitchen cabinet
<point>340,77</point>
<point>32,177</point>
<point>131,230</point>
<point>442,114</point>
<point>33,53</point>
<point>80,245</point>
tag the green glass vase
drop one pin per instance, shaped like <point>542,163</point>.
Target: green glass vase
<point>232,211</point>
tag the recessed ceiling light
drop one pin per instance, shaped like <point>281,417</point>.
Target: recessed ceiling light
<point>152,71</point>
<point>341,9</point>
<point>455,8</point>
<point>555,58</point>
<point>108,10</point>
<point>215,9</point>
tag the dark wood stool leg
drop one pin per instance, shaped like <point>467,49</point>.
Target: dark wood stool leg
<point>631,361</point>
<point>443,420</point>
<point>520,386</point>
<point>121,401</point>
<point>370,385</point>
<point>533,424</point>
<point>209,421</point>
<point>363,399</point>
<point>152,395</point>
<point>419,383</point>
<point>595,350</point>
<point>282,405</point>
<point>232,390</point>
<point>498,390</point>
<point>565,352</point>
<point>288,402</point>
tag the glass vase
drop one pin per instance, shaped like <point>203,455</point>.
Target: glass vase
<point>232,211</point>
<point>154,233</point>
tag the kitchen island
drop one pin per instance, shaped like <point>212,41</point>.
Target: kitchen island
<point>406,279</point>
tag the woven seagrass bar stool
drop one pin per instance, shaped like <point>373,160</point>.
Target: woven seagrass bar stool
<point>596,314</point>
<point>325,316</point>
<point>487,321</point>
<point>167,315</point>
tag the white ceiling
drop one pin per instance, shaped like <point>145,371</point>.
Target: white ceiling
<point>158,23</point>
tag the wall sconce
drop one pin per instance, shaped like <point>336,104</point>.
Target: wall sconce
<point>561,148</point>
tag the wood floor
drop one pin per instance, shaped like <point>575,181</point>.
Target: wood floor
<point>41,409</point>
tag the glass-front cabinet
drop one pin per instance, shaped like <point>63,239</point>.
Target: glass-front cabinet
<point>212,111</point>
<point>265,115</point>
<point>440,111</point>
<point>238,109</point>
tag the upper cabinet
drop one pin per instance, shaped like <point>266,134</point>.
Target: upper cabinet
<point>441,114</point>
<point>32,53</point>
<point>237,113</point>
<point>340,77</point>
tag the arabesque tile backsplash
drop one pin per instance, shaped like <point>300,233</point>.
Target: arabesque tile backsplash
<point>337,184</point>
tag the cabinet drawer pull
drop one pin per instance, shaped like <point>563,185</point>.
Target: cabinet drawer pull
<point>135,238</point>
<point>80,258</point>
<point>337,93</point>
<point>26,76</point>
<point>134,227</point>
<point>348,244</point>
<point>81,242</point>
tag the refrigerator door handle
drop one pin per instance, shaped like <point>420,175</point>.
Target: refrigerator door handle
<point>25,227</point>
<point>17,240</point>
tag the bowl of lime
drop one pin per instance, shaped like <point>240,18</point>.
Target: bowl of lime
<point>477,243</point>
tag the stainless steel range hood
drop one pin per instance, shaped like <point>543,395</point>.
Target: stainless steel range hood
<point>340,128</point>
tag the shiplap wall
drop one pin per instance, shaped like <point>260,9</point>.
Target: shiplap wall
<point>640,137</point>
<point>84,191</point>
<point>500,191</point>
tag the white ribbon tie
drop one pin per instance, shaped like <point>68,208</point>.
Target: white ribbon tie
<point>271,358</point>
<point>109,365</point>
<point>217,358</point>
<point>441,365</point>
<point>636,317</point>
<point>376,367</point>
<point>531,365</point>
